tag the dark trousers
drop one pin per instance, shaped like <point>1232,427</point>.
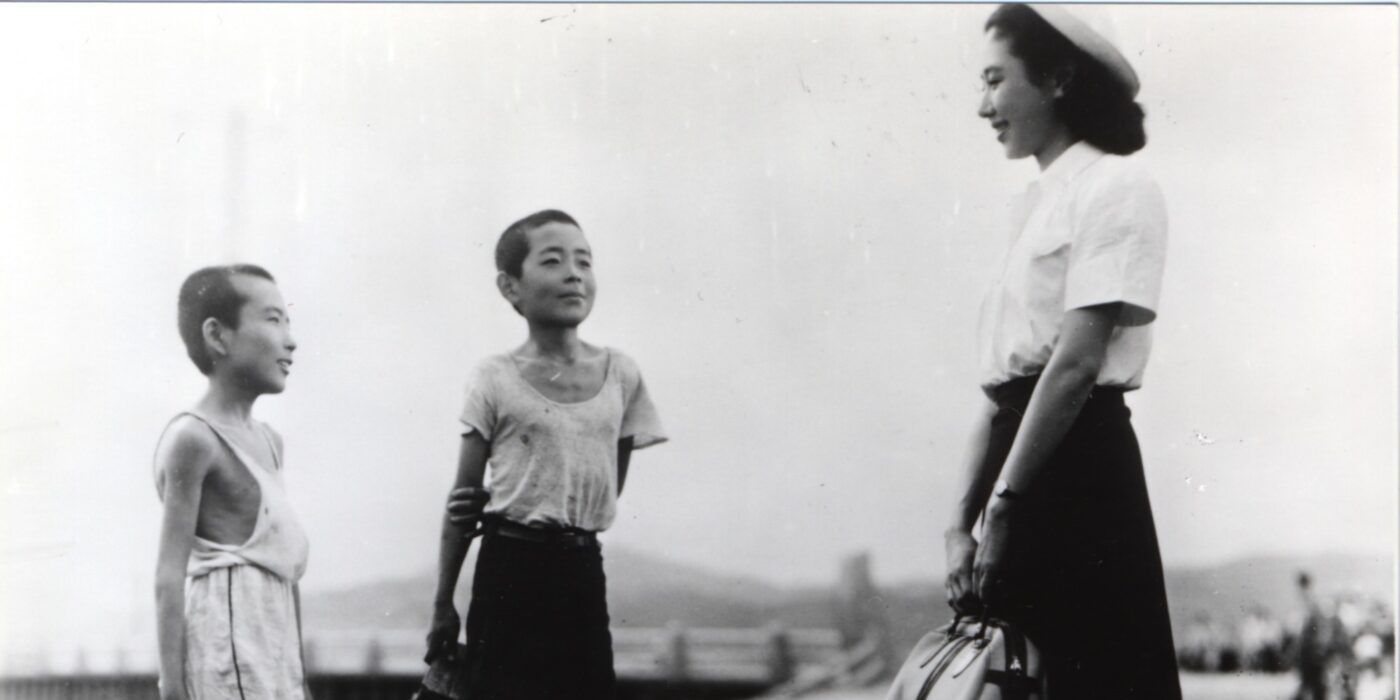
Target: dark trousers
<point>537,627</point>
<point>1084,574</point>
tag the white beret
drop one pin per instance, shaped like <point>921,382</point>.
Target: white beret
<point>1071,22</point>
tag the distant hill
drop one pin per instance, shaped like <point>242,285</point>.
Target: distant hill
<point>643,591</point>
<point>649,591</point>
<point>1229,591</point>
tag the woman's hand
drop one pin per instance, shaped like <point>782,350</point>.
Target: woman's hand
<point>990,564</point>
<point>960,548</point>
<point>442,636</point>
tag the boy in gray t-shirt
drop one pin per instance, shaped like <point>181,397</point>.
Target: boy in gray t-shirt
<point>556,420</point>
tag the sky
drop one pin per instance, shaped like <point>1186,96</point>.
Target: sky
<point>793,211</point>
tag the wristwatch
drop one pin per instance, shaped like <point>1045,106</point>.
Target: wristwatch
<point>1003,490</point>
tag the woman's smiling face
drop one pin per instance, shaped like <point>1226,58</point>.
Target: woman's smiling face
<point>556,284</point>
<point>1021,112</point>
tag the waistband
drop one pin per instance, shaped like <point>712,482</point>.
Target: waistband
<point>570,537</point>
<point>1017,392</point>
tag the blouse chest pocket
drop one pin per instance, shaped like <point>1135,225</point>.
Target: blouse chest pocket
<point>1041,260</point>
<point>1048,230</point>
<point>1048,246</point>
<point>1042,250</point>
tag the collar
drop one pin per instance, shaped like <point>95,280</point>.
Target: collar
<point>1074,160</point>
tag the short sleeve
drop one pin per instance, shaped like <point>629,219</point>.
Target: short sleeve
<point>640,420</point>
<point>479,413</point>
<point>1118,250</point>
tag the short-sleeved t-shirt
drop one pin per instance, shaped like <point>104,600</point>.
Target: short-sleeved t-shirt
<point>1092,230</point>
<point>555,463</point>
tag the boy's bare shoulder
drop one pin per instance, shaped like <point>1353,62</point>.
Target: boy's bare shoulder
<point>187,447</point>
<point>276,439</point>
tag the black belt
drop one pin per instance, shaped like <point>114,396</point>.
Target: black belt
<point>1017,392</point>
<point>563,536</point>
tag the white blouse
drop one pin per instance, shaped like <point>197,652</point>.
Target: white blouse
<point>1091,230</point>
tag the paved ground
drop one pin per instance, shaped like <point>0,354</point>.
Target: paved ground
<point>1194,686</point>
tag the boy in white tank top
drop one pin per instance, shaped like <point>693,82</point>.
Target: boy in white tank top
<point>228,614</point>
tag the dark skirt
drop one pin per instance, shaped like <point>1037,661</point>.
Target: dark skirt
<point>537,628</point>
<point>1084,573</point>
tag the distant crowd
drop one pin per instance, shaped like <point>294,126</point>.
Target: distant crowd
<point>1342,647</point>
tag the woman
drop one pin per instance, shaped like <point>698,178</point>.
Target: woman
<point>1068,551</point>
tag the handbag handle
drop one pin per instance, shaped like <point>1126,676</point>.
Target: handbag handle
<point>981,639</point>
<point>982,620</point>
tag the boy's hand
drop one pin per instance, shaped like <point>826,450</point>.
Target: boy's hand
<point>442,636</point>
<point>465,505</point>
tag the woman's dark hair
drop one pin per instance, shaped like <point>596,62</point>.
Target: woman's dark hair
<point>1096,107</point>
<point>209,293</point>
<point>514,245</point>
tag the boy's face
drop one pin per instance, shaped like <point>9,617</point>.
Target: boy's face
<point>258,354</point>
<point>556,285</point>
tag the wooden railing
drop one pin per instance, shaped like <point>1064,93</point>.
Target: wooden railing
<point>669,662</point>
<point>766,656</point>
<point>746,661</point>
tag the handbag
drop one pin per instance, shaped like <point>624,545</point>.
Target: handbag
<point>971,659</point>
<point>446,679</point>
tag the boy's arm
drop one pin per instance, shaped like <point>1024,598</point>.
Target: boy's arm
<point>301,640</point>
<point>471,473</point>
<point>624,458</point>
<point>184,460</point>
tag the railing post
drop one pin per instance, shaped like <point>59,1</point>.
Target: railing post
<point>308,655</point>
<point>779,654</point>
<point>675,657</point>
<point>374,658</point>
<point>860,611</point>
